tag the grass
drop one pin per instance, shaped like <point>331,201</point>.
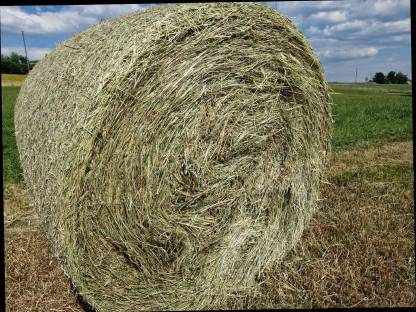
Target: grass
<point>35,281</point>
<point>374,174</point>
<point>12,80</point>
<point>371,114</point>
<point>358,250</point>
<point>12,171</point>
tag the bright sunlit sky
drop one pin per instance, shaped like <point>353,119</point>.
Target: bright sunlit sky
<point>372,35</point>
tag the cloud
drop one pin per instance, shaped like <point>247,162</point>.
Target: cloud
<point>313,30</point>
<point>373,35</point>
<point>34,54</point>
<point>14,20</point>
<point>66,21</point>
<point>337,55</point>
<point>367,30</point>
<point>401,26</point>
<point>385,9</point>
<point>108,11</point>
<point>332,16</point>
<point>350,26</point>
<point>304,7</point>
<point>341,32</point>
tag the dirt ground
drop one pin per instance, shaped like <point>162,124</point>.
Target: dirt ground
<point>358,250</point>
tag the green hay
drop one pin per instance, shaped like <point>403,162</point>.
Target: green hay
<point>175,154</point>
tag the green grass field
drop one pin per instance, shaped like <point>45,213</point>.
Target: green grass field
<point>367,114</point>
<point>12,171</point>
<point>364,114</point>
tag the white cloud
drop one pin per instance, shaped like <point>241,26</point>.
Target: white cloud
<point>107,11</point>
<point>389,7</point>
<point>331,17</point>
<point>355,8</point>
<point>72,19</point>
<point>404,39</point>
<point>384,29</point>
<point>14,20</point>
<point>367,30</point>
<point>347,26</point>
<point>335,54</point>
<point>313,30</point>
<point>296,7</point>
<point>398,26</point>
<point>34,54</point>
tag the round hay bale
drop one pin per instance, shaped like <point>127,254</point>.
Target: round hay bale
<point>174,154</point>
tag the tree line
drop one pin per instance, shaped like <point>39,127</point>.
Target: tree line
<point>391,77</point>
<point>15,64</point>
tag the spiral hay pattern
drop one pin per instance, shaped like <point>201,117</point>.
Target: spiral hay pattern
<point>174,154</point>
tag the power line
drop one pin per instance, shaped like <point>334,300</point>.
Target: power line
<point>27,59</point>
<point>356,72</point>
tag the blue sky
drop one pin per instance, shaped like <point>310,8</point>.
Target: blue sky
<point>372,35</point>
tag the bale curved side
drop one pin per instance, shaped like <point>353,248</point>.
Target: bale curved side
<point>174,154</point>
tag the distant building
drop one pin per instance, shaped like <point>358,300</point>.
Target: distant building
<point>409,82</point>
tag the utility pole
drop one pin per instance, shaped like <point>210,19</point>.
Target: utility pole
<point>356,72</point>
<point>27,59</point>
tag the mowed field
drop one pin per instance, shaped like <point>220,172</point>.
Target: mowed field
<point>358,250</point>
<point>12,80</point>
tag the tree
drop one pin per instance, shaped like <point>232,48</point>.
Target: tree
<point>13,64</point>
<point>391,77</point>
<point>5,64</point>
<point>401,78</point>
<point>379,78</point>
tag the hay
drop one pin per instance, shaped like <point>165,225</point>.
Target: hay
<point>176,153</point>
